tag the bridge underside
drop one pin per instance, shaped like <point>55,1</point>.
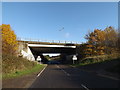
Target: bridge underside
<point>38,51</point>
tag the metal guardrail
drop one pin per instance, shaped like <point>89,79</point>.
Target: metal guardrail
<point>50,41</point>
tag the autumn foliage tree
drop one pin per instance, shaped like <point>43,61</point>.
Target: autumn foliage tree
<point>111,39</point>
<point>103,40</point>
<point>9,42</point>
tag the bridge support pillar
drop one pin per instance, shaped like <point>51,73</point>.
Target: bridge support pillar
<point>35,56</point>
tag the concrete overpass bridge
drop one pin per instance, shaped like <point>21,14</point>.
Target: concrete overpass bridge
<point>32,49</point>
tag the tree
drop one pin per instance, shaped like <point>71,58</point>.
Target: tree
<point>103,40</point>
<point>96,37</point>
<point>9,42</point>
<point>111,39</point>
<point>111,36</point>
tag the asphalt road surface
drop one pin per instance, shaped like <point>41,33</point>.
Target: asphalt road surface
<point>63,76</point>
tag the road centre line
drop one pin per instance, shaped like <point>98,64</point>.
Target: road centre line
<point>84,87</point>
<point>69,75</point>
<point>41,71</point>
<point>63,71</point>
<point>57,66</point>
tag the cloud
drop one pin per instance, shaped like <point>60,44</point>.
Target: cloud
<point>67,35</point>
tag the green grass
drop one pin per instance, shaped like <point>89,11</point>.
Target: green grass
<point>13,66</point>
<point>97,59</point>
<point>113,62</point>
<point>93,62</point>
<point>36,68</point>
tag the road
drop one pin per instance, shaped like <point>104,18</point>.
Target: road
<point>63,76</point>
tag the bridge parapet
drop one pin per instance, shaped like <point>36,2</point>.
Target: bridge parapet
<point>47,41</point>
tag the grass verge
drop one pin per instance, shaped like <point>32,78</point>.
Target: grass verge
<point>108,64</point>
<point>36,68</point>
<point>98,59</point>
<point>13,66</point>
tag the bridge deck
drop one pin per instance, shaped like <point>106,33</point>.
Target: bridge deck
<point>48,43</point>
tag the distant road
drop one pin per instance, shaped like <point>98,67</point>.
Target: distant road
<point>63,76</point>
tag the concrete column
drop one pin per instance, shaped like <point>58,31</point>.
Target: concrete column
<point>35,56</point>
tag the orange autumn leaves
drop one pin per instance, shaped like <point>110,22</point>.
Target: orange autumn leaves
<point>103,40</point>
<point>9,42</point>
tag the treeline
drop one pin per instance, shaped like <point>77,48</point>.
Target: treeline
<point>9,42</point>
<point>101,42</point>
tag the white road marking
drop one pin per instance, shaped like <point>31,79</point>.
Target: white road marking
<point>68,74</point>
<point>57,66</point>
<point>84,87</point>
<point>114,78</point>
<point>108,77</point>
<point>41,71</point>
<point>72,66</point>
<point>63,71</point>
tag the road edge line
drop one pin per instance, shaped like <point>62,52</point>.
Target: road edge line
<point>84,87</point>
<point>41,71</point>
<point>98,74</point>
<point>107,76</point>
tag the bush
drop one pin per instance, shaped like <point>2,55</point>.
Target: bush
<point>101,58</point>
<point>12,63</point>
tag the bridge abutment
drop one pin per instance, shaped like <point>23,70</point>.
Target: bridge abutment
<point>24,51</point>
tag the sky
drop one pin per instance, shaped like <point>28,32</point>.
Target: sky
<point>68,21</point>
